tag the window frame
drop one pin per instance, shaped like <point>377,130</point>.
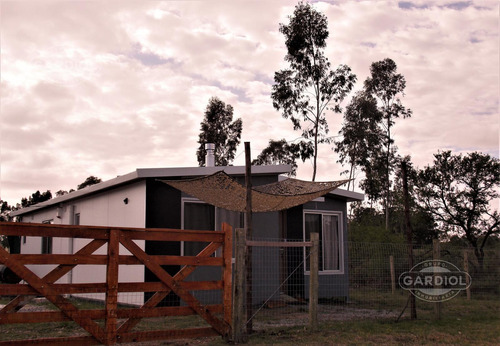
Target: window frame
<point>340,224</point>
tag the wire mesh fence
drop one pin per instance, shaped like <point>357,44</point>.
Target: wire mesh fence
<point>359,281</point>
<point>367,284</point>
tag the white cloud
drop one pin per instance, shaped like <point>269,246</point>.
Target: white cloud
<point>103,88</point>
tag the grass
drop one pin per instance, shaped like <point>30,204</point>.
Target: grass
<point>474,322</point>
<point>463,322</point>
<point>448,331</point>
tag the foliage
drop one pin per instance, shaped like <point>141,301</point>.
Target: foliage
<point>218,127</point>
<point>361,134</point>
<point>386,85</point>
<point>367,224</point>
<point>88,182</point>
<point>309,87</point>
<point>458,191</point>
<point>5,208</point>
<point>424,228</point>
<point>280,152</point>
<point>35,198</point>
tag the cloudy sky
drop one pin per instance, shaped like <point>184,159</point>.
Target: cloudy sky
<point>104,87</point>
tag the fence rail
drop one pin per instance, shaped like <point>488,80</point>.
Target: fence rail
<point>366,288</point>
<point>112,324</point>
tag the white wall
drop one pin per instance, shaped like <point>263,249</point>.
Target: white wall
<point>104,209</point>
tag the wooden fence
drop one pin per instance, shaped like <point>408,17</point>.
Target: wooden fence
<point>117,323</point>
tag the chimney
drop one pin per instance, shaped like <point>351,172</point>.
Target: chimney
<point>210,158</point>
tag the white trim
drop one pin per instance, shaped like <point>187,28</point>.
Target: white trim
<point>319,199</point>
<point>341,225</point>
<point>350,196</point>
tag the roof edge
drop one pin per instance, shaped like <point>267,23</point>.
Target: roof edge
<point>350,196</point>
<point>143,173</point>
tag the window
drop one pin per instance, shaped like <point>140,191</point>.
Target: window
<point>329,227</point>
<point>198,215</point>
<point>76,219</point>
<point>46,245</point>
<point>47,241</point>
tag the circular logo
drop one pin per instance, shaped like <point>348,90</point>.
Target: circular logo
<point>435,280</point>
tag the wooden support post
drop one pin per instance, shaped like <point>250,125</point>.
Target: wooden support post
<point>227,275</point>
<point>112,287</point>
<point>436,256</point>
<point>239,293</point>
<point>248,231</point>
<point>466,269</point>
<point>313,282</point>
<point>393,274</point>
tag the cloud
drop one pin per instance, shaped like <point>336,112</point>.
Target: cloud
<point>103,88</point>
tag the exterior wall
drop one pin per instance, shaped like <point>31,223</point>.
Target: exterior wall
<point>103,209</point>
<point>153,204</point>
<point>330,285</point>
<point>265,261</point>
<point>164,210</point>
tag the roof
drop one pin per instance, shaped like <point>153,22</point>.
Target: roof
<point>144,173</point>
<point>172,172</point>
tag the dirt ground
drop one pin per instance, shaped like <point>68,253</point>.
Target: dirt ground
<point>272,318</point>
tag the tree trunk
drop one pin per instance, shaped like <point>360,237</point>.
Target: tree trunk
<point>350,177</point>
<point>388,183</point>
<point>316,127</point>
<point>479,252</point>
<point>409,235</point>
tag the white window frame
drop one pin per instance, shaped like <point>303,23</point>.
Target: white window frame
<point>340,218</point>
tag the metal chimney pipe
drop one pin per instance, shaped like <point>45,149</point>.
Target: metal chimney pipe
<point>210,157</point>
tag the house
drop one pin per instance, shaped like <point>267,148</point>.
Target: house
<point>141,199</point>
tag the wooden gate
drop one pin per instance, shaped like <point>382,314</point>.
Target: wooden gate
<point>111,324</point>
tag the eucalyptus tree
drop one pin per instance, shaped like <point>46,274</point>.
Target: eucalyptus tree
<point>281,152</point>
<point>219,128</point>
<point>309,88</point>
<point>387,86</point>
<point>361,136</point>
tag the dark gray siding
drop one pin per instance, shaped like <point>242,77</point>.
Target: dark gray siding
<point>330,285</point>
<point>163,210</point>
